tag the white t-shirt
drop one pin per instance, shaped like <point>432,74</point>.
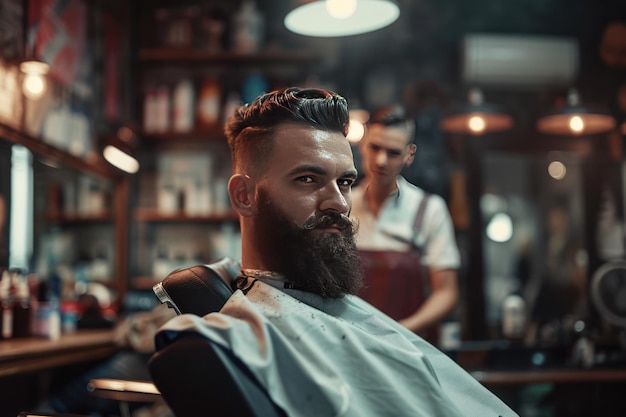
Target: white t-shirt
<point>393,229</point>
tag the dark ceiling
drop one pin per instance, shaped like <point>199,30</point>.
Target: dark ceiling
<point>424,44</point>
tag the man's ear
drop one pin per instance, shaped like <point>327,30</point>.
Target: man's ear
<point>241,193</point>
<point>411,158</point>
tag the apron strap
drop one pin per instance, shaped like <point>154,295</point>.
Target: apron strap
<point>417,224</point>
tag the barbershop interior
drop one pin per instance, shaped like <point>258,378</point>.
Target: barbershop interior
<point>114,172</point>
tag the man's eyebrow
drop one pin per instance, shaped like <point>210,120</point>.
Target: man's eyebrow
<point>316,169</point>
<point>352,173</point>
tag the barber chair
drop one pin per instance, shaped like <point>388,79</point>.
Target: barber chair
<point>195,376</point>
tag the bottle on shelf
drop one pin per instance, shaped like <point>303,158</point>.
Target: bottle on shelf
<point>21,306</point>
<point>6,304</point>
<point>162,109</point>
<point>514,318</point>
<point>248,27</point>
<point>150,109</point>
<point>183,106</point>
<point>209,103</point>
<point>233,102</point>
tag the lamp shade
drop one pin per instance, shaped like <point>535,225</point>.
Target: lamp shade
<point>476,117</point>
<point>120,150</point>
<point>331,18</point>
<point>574,119</point>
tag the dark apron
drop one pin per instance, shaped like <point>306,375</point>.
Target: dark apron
<point>395,282</point>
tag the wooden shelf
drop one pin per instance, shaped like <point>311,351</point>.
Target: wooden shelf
<point>215,134</point>
<point>91,164</point>
<point>153,215</point>
<point>176,56</point>
<point>34,354</point>
<point>61,218</point>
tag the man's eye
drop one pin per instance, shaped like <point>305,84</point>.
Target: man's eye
<point>345,182</point>
<point>306,179</point>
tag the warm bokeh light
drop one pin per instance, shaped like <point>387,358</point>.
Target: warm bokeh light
<point>476,124</point>
<point>356,130</point>
<point>576,124</point>
<point>341,9</point>
<point>557,170</point>
<point>34,86</point>
<point>500,228</point>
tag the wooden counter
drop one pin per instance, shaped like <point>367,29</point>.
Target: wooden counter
<point>556,376</point>
<point>18,356</point>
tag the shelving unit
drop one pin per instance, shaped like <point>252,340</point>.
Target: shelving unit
<point>111,225</point>
<point>186,56</point>
<point>153,215</point>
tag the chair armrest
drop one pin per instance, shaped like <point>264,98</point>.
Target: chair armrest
<point>124,390</point>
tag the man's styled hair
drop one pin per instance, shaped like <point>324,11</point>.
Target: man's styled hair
<point>393,116</point>
<point>250,129</point>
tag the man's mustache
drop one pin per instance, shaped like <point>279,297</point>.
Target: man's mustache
<point>341,221</point>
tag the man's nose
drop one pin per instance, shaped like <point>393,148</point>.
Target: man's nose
<point>381,158</point>
<point>333,199</point>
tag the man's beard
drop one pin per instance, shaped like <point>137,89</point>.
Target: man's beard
<point>326,264</point>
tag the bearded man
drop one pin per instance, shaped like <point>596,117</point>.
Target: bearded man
<point>316,348</point>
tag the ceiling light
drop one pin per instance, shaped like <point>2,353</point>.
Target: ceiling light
<point>476,117</point>
<point>574,119</point>
<point>330,18</point>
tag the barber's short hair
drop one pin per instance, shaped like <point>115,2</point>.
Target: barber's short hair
<point>393,116</point>
<point>250,129</point>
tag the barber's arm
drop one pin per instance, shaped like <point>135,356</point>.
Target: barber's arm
<point>442,300</point>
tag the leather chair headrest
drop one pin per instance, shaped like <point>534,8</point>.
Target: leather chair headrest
<point>200,289</point>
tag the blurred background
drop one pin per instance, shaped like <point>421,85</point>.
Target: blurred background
<point>520,109</point>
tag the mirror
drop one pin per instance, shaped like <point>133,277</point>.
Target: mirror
<point>534,240</point>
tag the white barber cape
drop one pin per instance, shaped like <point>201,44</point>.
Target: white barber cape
<point>337,357</point>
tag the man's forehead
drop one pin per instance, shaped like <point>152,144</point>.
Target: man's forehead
<point>387,135</point>
<point>300,144</point>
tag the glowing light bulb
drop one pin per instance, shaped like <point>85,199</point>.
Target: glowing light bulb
<point>576,124</point>
<point>500,228</point>
<point>476,124</point>
<point>33,86</point>
<point>341,9</point>
<point>557,170</point>
<point>356,130</point>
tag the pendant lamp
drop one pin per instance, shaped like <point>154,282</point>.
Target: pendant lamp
<point>331,18</point>
<point>34,84</point>
<point>120,150</point>
<point>477,117</point>
<point>574,119</point>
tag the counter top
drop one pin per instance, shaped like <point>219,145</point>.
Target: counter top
<point>541,376</point>
<point>19,356</point>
